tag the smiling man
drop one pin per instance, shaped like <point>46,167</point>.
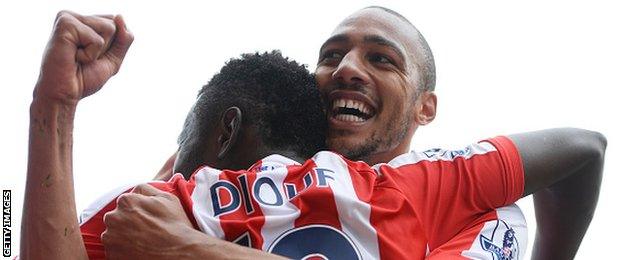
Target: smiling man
<point>378,76</point>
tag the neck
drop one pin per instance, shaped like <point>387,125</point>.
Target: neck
<point>385,156</point>
<point>245,159</point>
<point>388,155</point>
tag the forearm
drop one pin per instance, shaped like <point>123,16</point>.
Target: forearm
<point>564,212</point>
<point>50,229</point>
<point>206,247</point>
<point>563,169</point>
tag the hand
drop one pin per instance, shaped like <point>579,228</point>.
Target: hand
<point>151,224</point>
<point>147,224</point>
<point>82,54</point>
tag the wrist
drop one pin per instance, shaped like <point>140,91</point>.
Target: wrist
<point>213,248</point>
<point>47,105</point>
<point>52,115</point>
<point>54,93</point>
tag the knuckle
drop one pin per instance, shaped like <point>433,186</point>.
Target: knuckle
<point>142,186</point>
<point>109,28</point>
<point>105,237</point>
<point>125,200</point>
<point>63,21</point>
<point>170,196</point>
<point>115,70</point>
<point>61,14</point>
<point>109,218</point>
<point>99,41</point>
<point>130,38</point>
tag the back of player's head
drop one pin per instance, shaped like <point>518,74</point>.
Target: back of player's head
<point>277,97</point>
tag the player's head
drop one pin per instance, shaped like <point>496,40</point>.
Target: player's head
<point>255,106</point>
<point>378,75</point>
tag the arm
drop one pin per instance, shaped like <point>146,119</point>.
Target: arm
<point>166,172</point>
<point>156,222</point>
<point>77,63</point>
<point>563,168</point>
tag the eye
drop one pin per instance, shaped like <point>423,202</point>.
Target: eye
<point>330,55</point>
<point>380,58</point>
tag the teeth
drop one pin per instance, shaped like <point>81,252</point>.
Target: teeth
<point>349,118</point>
<point>353,104</point>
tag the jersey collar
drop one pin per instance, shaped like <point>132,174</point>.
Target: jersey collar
<point>274,160</point>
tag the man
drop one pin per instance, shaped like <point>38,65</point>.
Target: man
<point>353,211</point>
<point>83,53</point>
<point>239,118</point>
<point>377,61</point>
<point>590,152</point>
<point>228,128</point>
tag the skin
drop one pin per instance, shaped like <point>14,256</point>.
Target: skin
<point>77,62</point>
<point>82,54</point>
<point>371,56</point>
<point>563,166</point>
<point>383,73</point>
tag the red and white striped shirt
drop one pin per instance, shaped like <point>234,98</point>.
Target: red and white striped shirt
<point>332,208</point>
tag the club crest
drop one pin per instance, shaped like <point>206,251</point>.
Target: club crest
<point>507,250</point>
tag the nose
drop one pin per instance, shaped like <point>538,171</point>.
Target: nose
<point>351,70</point>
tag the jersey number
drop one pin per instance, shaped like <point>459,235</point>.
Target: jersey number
<point>315,242</point>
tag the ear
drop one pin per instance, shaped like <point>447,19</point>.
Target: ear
<point>230,123</point>
<point>428,107</point>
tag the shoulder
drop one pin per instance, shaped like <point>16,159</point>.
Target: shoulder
<point>439,154</point>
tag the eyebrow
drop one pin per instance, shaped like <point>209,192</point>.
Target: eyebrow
<point>342,38</point>
<point>385,42</point>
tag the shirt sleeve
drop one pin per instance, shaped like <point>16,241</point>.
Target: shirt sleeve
<point>92,219</point>
<point>450,189</point>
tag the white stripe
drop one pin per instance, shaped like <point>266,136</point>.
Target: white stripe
<point>278,219</point>
<point>202,202</point>
<point>354,215</point>
<point>102,201</point>
<point>439,155</point>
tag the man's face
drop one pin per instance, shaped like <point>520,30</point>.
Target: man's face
<point>368,74</point>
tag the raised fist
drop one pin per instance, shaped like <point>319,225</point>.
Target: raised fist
<point>82,54</point>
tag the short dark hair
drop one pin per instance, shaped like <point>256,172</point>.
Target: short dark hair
<point>277,96</point>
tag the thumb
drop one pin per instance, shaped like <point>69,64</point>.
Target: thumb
<point>121,44</point>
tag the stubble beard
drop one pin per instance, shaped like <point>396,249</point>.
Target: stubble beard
<point>380,141</point>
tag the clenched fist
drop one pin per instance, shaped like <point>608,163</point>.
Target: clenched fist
<point>82,54</point>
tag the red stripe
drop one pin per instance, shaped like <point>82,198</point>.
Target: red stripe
<point>239,222</point>
<point>309,205</point>
<point>455,193</point>
<point>93,228</point>
<point>182,189</point>
<point>389,207</point>
<point>463,241</point>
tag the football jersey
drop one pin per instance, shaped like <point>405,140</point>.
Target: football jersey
<point>332,208</point>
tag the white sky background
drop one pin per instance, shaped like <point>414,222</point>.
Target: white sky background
<point>502,68</point>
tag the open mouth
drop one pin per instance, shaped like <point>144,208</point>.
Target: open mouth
<point>351,110</point>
